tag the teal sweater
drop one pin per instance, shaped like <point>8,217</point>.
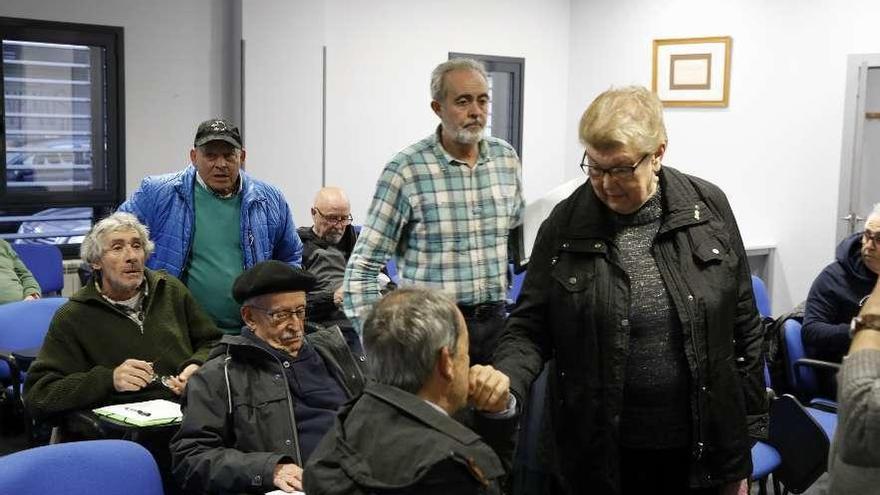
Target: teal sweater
<point>89,337</point>
<point>16,281</point>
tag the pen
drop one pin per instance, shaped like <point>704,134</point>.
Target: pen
<point>142,413</point>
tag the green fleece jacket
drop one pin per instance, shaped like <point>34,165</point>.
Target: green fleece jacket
<point>89,337</point>
<point>16,281</point>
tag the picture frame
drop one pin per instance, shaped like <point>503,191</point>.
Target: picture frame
<point>692,72</point>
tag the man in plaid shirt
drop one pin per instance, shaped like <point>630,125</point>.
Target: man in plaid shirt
<point>444,207</point>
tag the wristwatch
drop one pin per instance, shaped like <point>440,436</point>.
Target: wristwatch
<point>862,322</point>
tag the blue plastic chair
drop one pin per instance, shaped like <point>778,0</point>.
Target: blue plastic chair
<point>516,283</point>
<point>45,263</point>
<point>801,370</point>
<point>23,326</point>
<point>391,269</point>
<point>762,300</point>
<point>105,467</point>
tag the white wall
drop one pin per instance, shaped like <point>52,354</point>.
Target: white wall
<point>178,63</point>
<point>379,59</point>
<point>776,149</point>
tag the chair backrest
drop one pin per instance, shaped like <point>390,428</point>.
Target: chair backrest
<point>802,444</point>
<point>44,262</point>
<point>515,285</point>
<point>762,300</point>
<point>801,379</point>
<point>104,467</point>
<point>23,325</point>
<point>391,269</point>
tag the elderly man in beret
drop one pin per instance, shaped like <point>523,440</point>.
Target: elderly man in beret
<point>263,399</point>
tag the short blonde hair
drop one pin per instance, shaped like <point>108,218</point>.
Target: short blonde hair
<point>628,118</point>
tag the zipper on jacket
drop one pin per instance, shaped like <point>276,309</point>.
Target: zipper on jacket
<point>298,460</point>
<point>699,446</point>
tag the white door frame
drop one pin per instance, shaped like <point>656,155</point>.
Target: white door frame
<point>851,154</point>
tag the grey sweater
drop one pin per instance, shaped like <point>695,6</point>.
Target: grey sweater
<point>854,460</point>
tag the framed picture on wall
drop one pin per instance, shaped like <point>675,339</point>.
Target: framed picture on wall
<point>692,72</point>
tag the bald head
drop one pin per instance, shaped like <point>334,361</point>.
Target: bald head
<point>331,214</point>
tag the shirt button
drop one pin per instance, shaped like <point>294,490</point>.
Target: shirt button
<point>362,358</point>
<point>287,442</point>
<point>690,297</point>
<point>258,480</point>
<point>715,251</point>
<point>286,364</point>
<point>572,280</point>
<point>564,245</point>
<point>598,245</point>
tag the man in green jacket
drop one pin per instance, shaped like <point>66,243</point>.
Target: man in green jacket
<point>131,334</point>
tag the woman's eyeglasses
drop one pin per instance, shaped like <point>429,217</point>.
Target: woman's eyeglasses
<point>620,173</point>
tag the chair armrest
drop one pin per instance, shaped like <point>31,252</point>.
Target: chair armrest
<point>24,357</point>
<point>14,374</point>
<point>818,364</point>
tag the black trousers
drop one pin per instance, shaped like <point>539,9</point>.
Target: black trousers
<point>657,471</point>
<point>484,331</point>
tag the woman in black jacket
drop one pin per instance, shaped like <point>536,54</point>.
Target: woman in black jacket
<point>639,291</point>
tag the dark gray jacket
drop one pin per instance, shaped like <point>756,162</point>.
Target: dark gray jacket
<point>574,308</point>
<point>238,414</point>
<point>392,442</point>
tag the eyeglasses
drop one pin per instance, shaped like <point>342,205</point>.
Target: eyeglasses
<point>620,173</point>
<point>283,315</point>
<point>335,219</point>
<point>867,235</point>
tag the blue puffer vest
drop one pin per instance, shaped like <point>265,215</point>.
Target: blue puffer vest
<point>164,203</point>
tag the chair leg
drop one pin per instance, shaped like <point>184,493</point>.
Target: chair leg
<point>762,486</point>
<point>776,486</point>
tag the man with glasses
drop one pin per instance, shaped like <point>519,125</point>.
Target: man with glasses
<point>840,290</point>
<point>444,208</point>
<point>260,404</point>
<point>327,246</point>
<point>211,220</point>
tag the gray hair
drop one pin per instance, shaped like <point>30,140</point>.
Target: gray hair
<point>404,333</point>
<point>92,248</point>
<point>875,212</point>
<point>438,75</point>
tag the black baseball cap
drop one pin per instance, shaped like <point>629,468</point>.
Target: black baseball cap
<point>217,130</point>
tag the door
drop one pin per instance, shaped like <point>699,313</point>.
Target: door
<point>860,164</point>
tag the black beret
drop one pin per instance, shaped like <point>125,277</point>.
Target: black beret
<point>269,277</point>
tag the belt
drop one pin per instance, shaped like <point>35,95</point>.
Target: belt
<point>483,311</point>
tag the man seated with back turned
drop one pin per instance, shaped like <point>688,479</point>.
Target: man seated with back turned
<point>211,221</point>
<point>840,290</point>
<point>131,334</point>
<point>260,404</point>
<point>398,437</point>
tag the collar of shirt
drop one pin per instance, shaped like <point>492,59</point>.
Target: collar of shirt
<point>484,149</point>
<point>435,406</point>
<point>201,182</point>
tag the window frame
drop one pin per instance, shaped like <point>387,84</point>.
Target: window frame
<point>110,38</point>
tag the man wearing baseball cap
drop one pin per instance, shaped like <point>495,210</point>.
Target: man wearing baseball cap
<point>211,220</point>
<point>264,398</point>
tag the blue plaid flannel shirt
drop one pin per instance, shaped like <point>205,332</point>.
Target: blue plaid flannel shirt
<point>446,224</point>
